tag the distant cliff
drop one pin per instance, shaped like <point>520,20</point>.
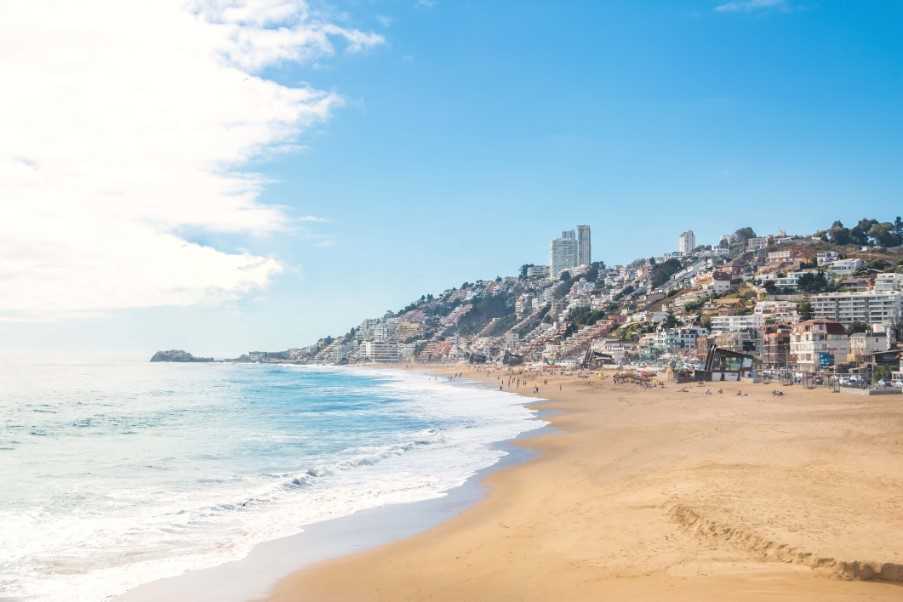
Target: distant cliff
<point>178,355</point>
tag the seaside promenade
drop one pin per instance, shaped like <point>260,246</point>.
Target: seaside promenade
<point>662,494</point>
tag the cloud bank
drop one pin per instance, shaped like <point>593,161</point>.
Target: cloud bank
<point>126,123</point>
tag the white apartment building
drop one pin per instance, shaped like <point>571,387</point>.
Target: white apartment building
<point>563,253</point>
<point>888,283</point>
<point>736,323</point>
<point>714,283</point>
<point>780,256</point>
<point>524,304</point>
<point>869,307</point>
<point>686,242</point>
<point>844,267</point>
<point>824,257</point>
<point>792,279</point>
<point>381,351</point>
<point>756,243</point>
<point>407,351</point>
<point>537,271</point>
<point>782,312</point>
<point>818,344</point>
<point>681,338</point>
<point>647,316</point>
<point>583,287</point>
<point>864,344</point>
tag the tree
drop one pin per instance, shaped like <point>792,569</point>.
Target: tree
<point>898,226</point>
<point>663,271</point>
<point>804,308</point>
<point>838,234</point>
<point>565,276</point>
<point>585,316</point>
<point>859,232</point>
<point>884,234</point>
<point>770,287</point>
<point>878,265</point>
<point>744,234</point>
<point>812,283</point>
<point>881,373</point>
<point>670,321</point>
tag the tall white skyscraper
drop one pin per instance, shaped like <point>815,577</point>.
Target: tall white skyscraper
<point>563,253</point>
<point>686,242</point>
<point>584,246</point>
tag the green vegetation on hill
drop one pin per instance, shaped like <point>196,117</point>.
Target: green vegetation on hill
<point>483,310</point>
<point>867,232</point>
<point>585,316</point>
<point>662,272</point>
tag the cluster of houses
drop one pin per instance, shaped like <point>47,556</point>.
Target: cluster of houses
<point>789,303</point>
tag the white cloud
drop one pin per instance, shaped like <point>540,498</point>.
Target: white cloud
<point>748,6</point>
<point>123,123</point>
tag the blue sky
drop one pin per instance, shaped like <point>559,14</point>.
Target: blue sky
<point>478,130</point>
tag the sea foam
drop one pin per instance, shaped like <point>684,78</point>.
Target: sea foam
<point>117,474</point>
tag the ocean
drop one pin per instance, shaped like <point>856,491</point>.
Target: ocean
<point>119,472</point>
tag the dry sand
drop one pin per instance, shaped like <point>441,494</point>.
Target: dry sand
<point>664,495</point>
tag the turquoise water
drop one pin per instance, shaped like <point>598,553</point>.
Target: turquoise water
<point>116,473</point>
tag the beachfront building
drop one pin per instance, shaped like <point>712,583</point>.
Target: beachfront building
<point>381,351</point>
<point>686,242</point>
<point>563,253</point>
<point>816,344</point>
<point>741,340</point>
<point>407,352</point>
<point>868,307</point>
<point>686,337</point>
<point>584,245</point>
<point>617,348</point>
<point>776,346</point>
<point>864,344</point>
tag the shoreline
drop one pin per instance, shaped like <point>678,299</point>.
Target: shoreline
<point>693,520</point>
<point>253,576</point>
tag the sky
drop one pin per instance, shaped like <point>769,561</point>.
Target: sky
<point>229,175</point>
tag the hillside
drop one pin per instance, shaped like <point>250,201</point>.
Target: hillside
<point>537,318</point>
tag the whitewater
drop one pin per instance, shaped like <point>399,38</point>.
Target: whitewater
<point>119,472</point>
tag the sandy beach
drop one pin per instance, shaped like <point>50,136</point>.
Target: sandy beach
<point>642,494</point>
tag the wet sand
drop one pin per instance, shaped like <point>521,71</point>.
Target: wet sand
<point>660,494</point>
